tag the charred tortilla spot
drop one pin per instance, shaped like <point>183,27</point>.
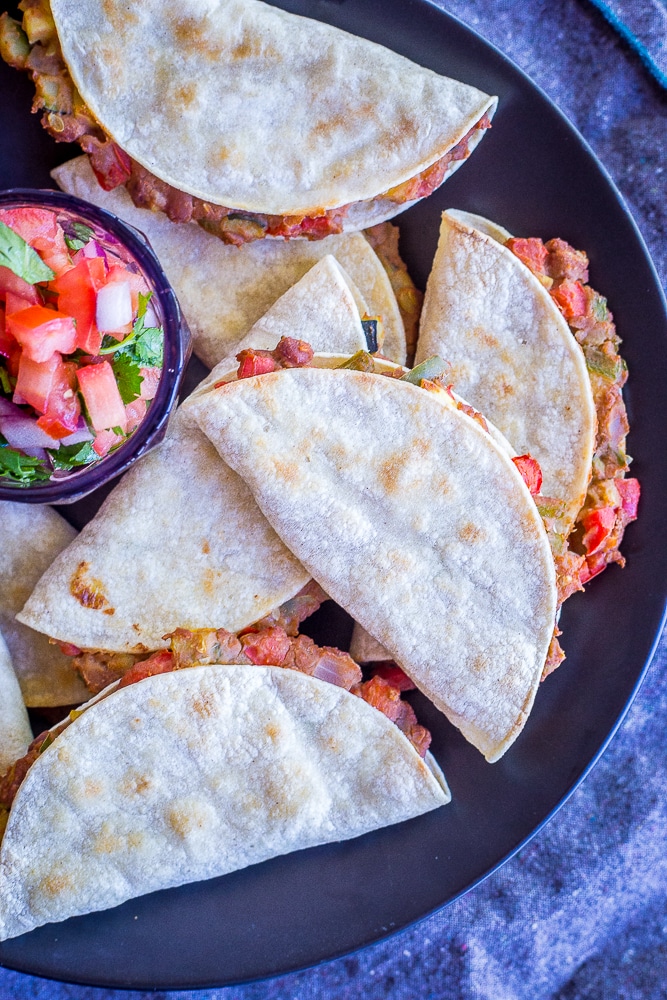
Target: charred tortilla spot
<point>390,472</point>
<point>188,816</point>
<point>109,611</point>
<point>206,548</point>
<point>273,731</point>
<point>289,471</point>
<point>203,706</point>
<point>87,591</point>
<point>135,784</point>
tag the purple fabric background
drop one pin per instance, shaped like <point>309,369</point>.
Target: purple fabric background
<point>581,912</point>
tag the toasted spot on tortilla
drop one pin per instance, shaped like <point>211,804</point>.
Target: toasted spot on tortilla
<point>135,783</point>
<point>390,472</point>
<point>206,548</point>
<point>443,487</point>
<point>208,581</point>
<point>480,663</point>
<point>64,755</point>
<point>87,590</point>
<point>289,471</point>
<point>273,731</point>
<point>54,885</point>
<point>188,816</point>
<point>136,627</point>
<point>203,706</point>
<point>109,611</point>
<point>472,533</point>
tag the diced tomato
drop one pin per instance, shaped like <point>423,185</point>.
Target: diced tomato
<point>105,441</point>
<point>150,381</point>
<point>10,282</point>
<point>63,408</point>
<point>531,472</point>
<point>41,331</point>
<point>77,291</point>
<point>629,491</point>
<point>15,303</point>
<point>391,672</point>
<point>101,395</point>
<point>161,662</point>
<point>254,363</point>
<point>598,524</point>
<point>593,566</point>
<point>532,252</point>
<point>36,381</point>
<point>135,413</point>
<point>111,164</point>
<point>268,648</point>
<point>571,298</point>
<point>40,228</point>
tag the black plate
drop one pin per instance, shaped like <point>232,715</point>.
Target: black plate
<point>535,176</point>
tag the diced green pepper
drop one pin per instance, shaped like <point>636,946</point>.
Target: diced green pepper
<point>359,362</point>
<point>432,368</point>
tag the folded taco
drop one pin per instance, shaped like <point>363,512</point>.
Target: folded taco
<point>250,120</point>
<point>412,517</point>
<point>15,733</point>
<point>223,290</point>
<point>30,539</point>
<point>203,771</point>
<point>535,348</point>
<point>180,541</point>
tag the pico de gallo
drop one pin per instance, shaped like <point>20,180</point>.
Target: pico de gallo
<point>81,345</point>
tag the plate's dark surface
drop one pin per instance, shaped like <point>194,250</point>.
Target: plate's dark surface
<point>533,175</point>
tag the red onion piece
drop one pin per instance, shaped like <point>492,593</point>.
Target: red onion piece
<point>23,433</point>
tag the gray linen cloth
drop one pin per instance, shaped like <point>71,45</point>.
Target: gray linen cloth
<point>581,912</point>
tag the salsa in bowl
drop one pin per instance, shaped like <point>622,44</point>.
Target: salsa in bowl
<point>93,347</point>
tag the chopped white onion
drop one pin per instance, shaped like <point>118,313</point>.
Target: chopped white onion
<point>150,318</point>
<point>114,307</point>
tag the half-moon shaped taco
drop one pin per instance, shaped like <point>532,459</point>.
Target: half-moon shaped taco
<point>412,518</point>
<point>193,774</point>
<point>535,348</point>
<point>253,121</point>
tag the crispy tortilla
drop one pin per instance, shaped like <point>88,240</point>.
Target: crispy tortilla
<point>247,106</point>
<point>512,353</point>
<point>180,541</point>
<point>30,539</point>
<point>15,731</point>
<point>413,519</point>
<point>206,770</point>
<point>223,290</point>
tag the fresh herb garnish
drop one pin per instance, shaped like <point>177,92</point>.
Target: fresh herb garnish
<point>21,259</point>
<point>69,456</point>
<point>128,376</point>
<point>77,235</point>
<point>5,382</point>
<point>21,468</point>
<point>144,344</point>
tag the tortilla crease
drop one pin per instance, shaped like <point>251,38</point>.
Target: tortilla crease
<point>413,519</point>
<point>180,541</point>
<point>30,539</point>
<point>512,353</point>
<point>276,761</point>
<point>223,290</point>
<point>247,106</point>
<point>15,731</point>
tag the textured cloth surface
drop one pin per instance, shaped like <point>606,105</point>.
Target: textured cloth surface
<point>644,26</point>
<point>581,912</point>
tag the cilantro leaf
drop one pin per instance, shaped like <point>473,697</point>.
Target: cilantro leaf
<point>149,347</point>
<point>22,469</point>
<point>68,456</point>
<point>77,235</point>
<point>128,377</point>
<point>21,259</point>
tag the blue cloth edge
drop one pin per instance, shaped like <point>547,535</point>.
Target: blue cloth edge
<point>621,27</point>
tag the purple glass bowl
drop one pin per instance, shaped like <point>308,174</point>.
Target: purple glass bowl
<point>177,350</point>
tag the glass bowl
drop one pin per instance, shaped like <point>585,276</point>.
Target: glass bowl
<point>111,231</point>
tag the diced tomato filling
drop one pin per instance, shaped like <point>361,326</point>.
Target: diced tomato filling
<point>255,363</point>
<point>111,165</point>
<point>100,393</point>
<point>161,662</point>
<point>531,251</point>
<point>150,379</point>
<point>598,525</point>
<point>10,282</point>
<point>531,472</point>
<point>391,672</point>
<point>63,409</point>
<point>37,380</point>
<point>268,647</point>
<point>41,332</point>
<point>571,299</point>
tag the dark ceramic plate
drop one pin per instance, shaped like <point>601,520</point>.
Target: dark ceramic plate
<point>535,176</point>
